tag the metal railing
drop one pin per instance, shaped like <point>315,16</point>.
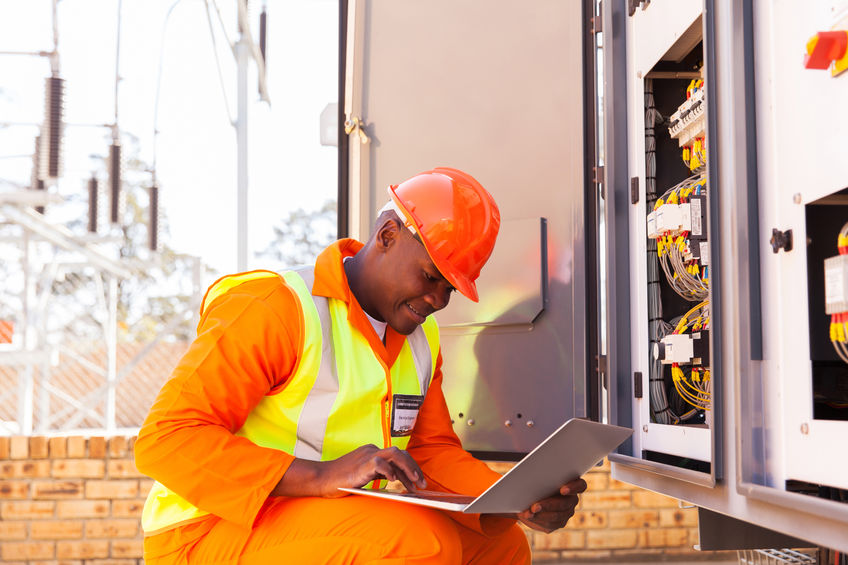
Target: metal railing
<point>88,337</point>
<point>775,556</point>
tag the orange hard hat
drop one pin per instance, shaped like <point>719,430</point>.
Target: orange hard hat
<point>456,219</point>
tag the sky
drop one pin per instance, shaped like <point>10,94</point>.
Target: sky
<point>195,150</point>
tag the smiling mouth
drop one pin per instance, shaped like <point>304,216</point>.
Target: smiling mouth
<point>416,312</point>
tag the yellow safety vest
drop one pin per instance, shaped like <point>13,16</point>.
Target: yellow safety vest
<point>331,405</point>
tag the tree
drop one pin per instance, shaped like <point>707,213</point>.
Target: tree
<point>301,236</point>
<point>162,283</point>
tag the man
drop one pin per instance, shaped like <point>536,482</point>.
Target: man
<point>301,383</point>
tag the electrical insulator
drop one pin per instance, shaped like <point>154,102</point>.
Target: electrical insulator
<point>36,160</point>
<point>52,129</point>
<point>263,24</point>
<point>92,204</point>
<point>39,185</point>
<point>153,224</point>
<point>114,180</point>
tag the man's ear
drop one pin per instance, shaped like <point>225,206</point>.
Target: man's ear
<point>388,234</point>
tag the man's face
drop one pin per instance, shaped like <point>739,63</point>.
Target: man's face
<point>409,286</point>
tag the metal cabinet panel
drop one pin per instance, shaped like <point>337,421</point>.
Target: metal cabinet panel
<point>495,89</point>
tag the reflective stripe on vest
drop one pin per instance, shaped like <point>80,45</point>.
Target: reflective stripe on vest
<point>327,410</point>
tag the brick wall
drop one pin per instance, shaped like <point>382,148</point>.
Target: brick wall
<point>616,521</point>
<point>70,500</point>
<point>76,500</point>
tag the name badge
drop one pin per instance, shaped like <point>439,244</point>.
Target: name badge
<point>404,413</point>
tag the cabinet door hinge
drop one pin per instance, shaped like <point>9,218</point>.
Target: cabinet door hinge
<point>595,25</point>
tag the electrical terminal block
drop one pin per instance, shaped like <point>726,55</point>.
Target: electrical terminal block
<point>699,250</point>
<point>673,219</point>
<point>836,284</point>
<point>698,218</point>
<point>689,122</point>
<point>653,233</point>
<point>683,349</point>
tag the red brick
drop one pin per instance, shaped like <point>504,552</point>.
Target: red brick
<point>604,500</point>
<point>12,530</point>
<point>126,528</point>
<point>14,490</point>
<point>127,548</point>
<point>611,539</point>
<point>112,562</point>
<point>57,447</point>
<point>56,489</point>
<point>127,508</point>
<point>27,510</point>
<point>118,446</point>
<point>56,529</point>
<point>79,468</point>
<point>560,539</point>
<point>4,447</point>
<point>111,489</point>
<point>634,519</point>
<point>19,448</point>
<point>26,551</point>
<point>596,481</point>
<point>588,519</point>
<point>76,447</point>
<point>24,469</point>
<point>694,537</point>
<point>123,469</point>
<point>546,557</point>
<point>82,549</point>
<point>586,555</point>
<point>649,499</point>
<point>615,484</point>
<point>83,509</point>
<point>679,517</point>
<point>642,554</point>
<point>38,447</point>
<point>97,447</point>
<point>144,486</point>
<point>671,537</point>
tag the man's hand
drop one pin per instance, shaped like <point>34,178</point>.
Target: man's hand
<point>552,513</point>
<point>355,469</point>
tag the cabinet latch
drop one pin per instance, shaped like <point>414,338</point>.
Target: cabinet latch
<point>781,240</point>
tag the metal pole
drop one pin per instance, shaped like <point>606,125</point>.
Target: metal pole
<point>242,60</point>
<point>117,66</point>
<point>26,387</point>
<point>112,354</point>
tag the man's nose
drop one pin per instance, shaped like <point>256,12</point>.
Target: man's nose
<point>439,297</point>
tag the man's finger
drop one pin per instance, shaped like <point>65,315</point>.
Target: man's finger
<point>573,487</point>
<point>407,467</point>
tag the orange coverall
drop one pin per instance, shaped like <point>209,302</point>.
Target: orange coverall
<point>247,347</point>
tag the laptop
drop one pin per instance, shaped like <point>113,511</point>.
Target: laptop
<point>566,454</point>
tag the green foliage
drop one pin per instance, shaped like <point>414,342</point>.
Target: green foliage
<point>301,236</point>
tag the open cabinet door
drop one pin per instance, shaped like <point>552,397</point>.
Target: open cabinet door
<point>496,89</point>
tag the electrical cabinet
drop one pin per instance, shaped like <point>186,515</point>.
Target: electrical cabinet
<point>765,447</point>
<point>675,213</point>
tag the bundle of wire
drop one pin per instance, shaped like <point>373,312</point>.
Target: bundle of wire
<point>684,273</point>
<point>661,412</point>
<point>839,321</point>
<point>694,387</point>
<point>694,154</point>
